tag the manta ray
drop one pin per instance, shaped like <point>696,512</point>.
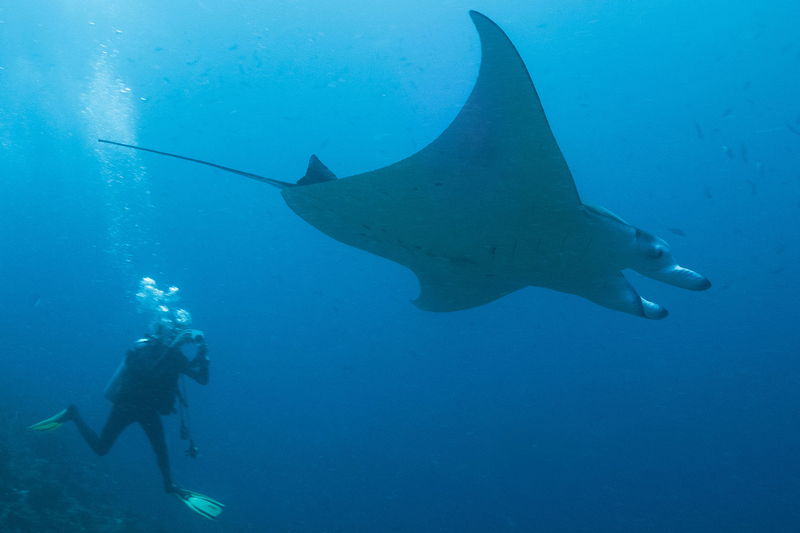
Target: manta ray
<point>487,208</point>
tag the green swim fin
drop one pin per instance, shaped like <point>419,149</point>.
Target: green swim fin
<point>200,504</point>
<point>52,423</point>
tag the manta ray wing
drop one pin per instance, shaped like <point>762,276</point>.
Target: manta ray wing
<point>456,212</point>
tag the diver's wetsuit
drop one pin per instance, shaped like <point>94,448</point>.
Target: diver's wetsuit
<point>148,393</point>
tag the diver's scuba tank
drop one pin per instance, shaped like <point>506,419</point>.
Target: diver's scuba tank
<point>116,383</point>
<point>135,362</point>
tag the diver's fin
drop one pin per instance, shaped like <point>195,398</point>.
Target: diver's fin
<point>52,423</point>
<point>262,179</point>
<point>200,504</point>
<point>316,173</point>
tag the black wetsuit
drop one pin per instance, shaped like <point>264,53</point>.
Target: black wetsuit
<point>149,392</point>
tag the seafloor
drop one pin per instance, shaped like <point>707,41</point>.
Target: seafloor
<point>42,491</point>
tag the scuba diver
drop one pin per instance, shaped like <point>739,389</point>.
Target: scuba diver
<point>144,388</point>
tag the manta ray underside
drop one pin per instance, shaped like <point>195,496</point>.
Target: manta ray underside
<point>487,208</point>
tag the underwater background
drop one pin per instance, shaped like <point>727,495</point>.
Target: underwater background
<point>334,403</point>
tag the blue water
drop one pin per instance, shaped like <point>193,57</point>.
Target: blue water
<point>334,403</point>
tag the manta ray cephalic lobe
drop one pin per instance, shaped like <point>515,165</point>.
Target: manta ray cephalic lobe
<point>487,208</point>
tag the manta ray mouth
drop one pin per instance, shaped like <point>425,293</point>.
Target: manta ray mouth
<point>678,276</point>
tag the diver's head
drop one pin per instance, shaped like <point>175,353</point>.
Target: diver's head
<point>166,331</point>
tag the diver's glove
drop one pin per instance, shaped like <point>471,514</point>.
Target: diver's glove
<point>202,353</point>
<point>187,336</point>
<point>202,350</point>
<point>195,335</point>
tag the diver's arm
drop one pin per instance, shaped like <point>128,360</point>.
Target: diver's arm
<point>197,369</point>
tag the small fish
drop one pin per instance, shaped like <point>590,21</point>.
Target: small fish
<point>793,129</point>
<point>699,130</point>
<point>727,151</point>
<point>707,192</point>
<point>677,231</point>
<point>753,191</point>
<point>743,151</point>
<point>727,111</point>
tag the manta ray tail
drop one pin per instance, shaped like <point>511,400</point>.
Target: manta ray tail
<point>262,179</point>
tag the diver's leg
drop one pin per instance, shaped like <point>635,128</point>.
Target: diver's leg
<point>154,429</point>
<point>118,420</point>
